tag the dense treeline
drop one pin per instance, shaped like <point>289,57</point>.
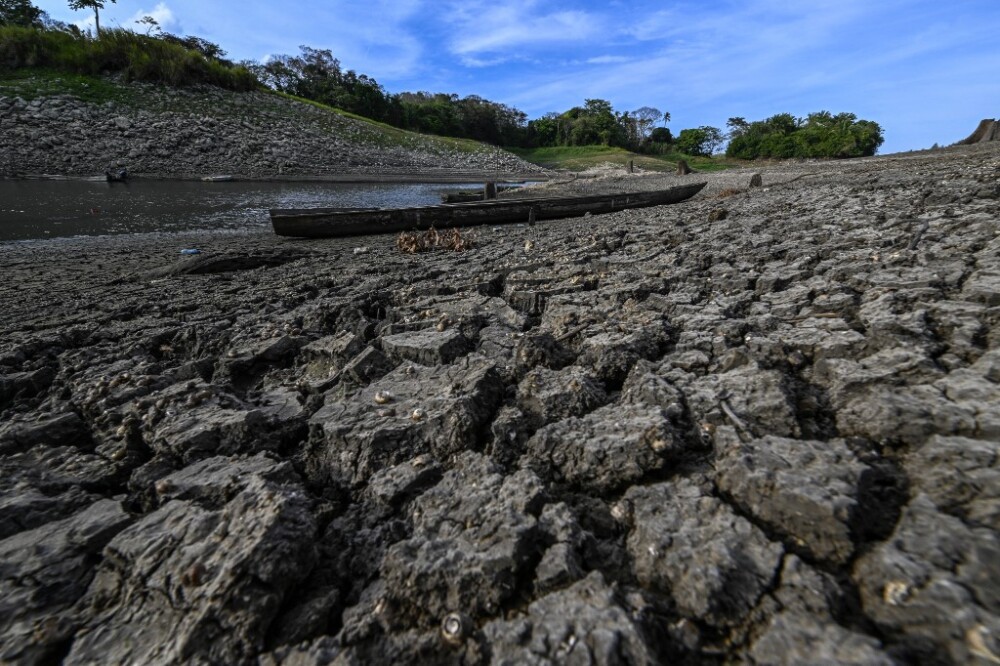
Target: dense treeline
<point>316,75</point>
<point>597,123</point>
<point>28,38</point>
<point>820,134</point>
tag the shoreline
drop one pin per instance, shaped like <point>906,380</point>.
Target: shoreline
<point>389,178</point>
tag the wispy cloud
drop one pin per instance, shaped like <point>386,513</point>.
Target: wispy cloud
<point>607,60</point>
<point>374,37</point>
<point>488,30</point>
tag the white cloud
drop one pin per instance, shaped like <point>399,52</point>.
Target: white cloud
<point>607,60</point>
<point>505,31</point>
<point>161,13</point>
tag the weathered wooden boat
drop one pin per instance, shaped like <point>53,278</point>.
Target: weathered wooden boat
<point>461,196</point>
<point>339,222</point>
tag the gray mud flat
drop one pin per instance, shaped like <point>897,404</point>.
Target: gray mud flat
<point>761,426</point>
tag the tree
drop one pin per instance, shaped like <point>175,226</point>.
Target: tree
<point>645,117</point>
<point>208,49</point>
<point>661,135</point>
<point>19,12</point>
<point>77,5</point>
<point>692,142</point>
<point>152,25</point>
<point>738,126</point>
<point>702,141</point>
<point>713,138</point>
<point>820,134</point>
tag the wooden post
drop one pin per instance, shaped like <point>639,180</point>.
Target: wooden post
<point>631,166</point>
<point>490,191</point>
<point>682,168</point>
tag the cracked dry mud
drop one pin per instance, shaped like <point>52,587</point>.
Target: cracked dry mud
<point>645,437</point>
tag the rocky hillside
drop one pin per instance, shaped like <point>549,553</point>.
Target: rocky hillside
<point>158,131</point>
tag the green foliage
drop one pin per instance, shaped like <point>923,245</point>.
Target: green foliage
<point>819,135</point>
<point>135,57</point>
<point>661,135</point>
<point>702,141</point>
<point>596,123</point>
<point>316,75</point>
<point>19,12</point>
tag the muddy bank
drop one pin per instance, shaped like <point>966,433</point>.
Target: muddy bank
<point>757,426</point>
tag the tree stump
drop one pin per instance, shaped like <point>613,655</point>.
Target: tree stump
<point>631,166</point>
<point>682,168</point>
<point>756,180</point>
<point>490,191</point>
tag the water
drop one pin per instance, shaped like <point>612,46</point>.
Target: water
<point>51,209</point>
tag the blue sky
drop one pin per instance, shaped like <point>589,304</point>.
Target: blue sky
<point>926,70</point>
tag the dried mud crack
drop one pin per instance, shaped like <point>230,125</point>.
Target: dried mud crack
<point>671,435</point>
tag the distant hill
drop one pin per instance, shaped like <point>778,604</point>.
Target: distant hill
<point>988,130</point>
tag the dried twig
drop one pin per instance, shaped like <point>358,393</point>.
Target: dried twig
<point>737,422</point>
<point>573,332</point>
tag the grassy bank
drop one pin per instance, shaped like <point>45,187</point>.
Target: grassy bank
<point>580,158</point>
<point>35,83</point>
<point>135,57</point>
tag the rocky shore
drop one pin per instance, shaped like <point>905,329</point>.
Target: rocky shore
<point>760,426</point>
<point>161,132</point>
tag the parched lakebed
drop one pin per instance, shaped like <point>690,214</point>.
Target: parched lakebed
<point>758,426</point>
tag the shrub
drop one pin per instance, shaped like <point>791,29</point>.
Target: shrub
<point>819,135</point>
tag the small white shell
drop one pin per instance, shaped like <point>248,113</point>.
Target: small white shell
<point>455,628</point>
<point>895,592</point>
<point>383,397</point>
<point>417,414</point>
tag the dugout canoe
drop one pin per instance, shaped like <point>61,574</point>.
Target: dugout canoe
<point>340,222</point>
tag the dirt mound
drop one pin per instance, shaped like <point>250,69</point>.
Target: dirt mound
<point>988,130</point>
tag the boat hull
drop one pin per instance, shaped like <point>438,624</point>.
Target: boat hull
<point>340,222</point>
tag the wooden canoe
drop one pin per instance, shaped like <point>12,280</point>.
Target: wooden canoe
<point>339,222</point>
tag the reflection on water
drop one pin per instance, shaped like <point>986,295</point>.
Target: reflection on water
<point>49,209</point>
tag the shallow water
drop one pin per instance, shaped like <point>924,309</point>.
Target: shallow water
<point>52,209</point>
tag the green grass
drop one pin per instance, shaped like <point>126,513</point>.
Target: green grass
<point>581,158</point>
<point>34,83</point>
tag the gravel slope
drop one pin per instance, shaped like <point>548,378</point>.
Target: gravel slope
<point>170,132</point>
